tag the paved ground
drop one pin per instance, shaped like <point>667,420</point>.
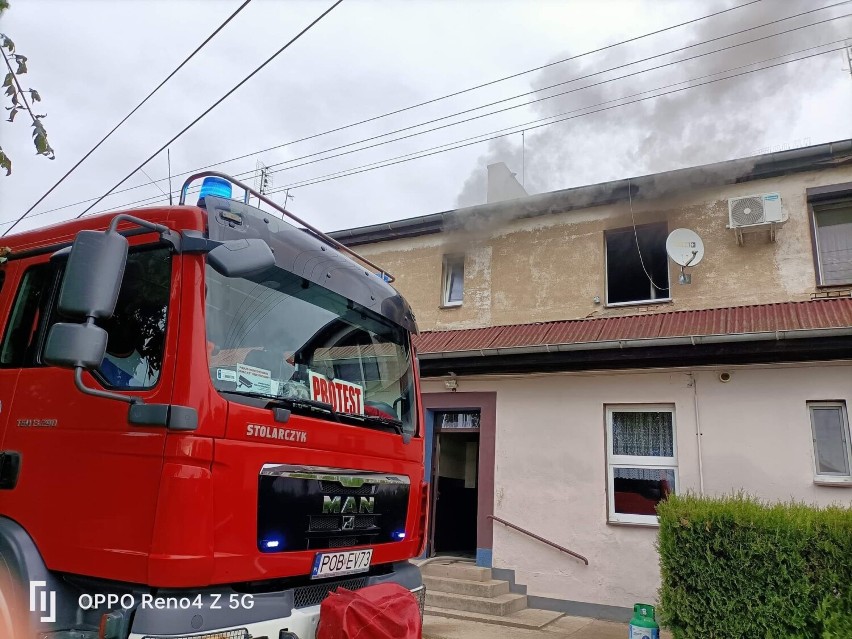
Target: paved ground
<point>573,627</point>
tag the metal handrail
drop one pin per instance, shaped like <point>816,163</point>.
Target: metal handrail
<point>541,539</point>
<point>185,188</point>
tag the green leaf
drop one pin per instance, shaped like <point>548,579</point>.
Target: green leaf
<point>22,67</point>
<point>35,95</point>
<point>10,78</point>
<point>12,115</point>
<point>5,163</point>
<point>7,43</point>
<point>10,90</point>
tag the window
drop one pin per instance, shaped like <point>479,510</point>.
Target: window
<point>637,275</point>
<point>137,329</point>
<point>20,342</point>
<point>833,237</point>
<point>457,420</point>
<point>641,461</point>
<point>453,280</point>
<point>832,454</point>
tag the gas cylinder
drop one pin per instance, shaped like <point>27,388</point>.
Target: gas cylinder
<point>643,625</point>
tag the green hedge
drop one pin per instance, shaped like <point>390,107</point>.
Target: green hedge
<point>735,568</point>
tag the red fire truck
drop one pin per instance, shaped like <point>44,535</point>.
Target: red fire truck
<point>209,420</point>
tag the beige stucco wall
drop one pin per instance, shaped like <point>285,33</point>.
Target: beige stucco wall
<point>551,267</point>
<point>550,474</point>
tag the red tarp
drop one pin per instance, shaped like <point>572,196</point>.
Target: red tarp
<point>383,611</point>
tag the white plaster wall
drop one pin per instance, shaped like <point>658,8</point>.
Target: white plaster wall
<point>550,474</point>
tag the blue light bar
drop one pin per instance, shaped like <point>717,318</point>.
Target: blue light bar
<point>216,187</point>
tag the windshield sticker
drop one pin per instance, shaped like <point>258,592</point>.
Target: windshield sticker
<point>226,375</point>
<point>256,380</point>
<point>345,397</point>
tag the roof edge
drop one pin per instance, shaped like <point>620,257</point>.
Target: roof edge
<point>734,171</point>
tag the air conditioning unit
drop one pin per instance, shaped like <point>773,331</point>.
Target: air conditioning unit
<point>753,210</point>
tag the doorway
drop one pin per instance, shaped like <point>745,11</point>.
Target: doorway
<point>455,482</point>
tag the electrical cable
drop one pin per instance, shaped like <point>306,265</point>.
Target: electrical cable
<point>444,97</point>
<point>526,126</point>
<point>126,117</point>
<point>517,106</point>
<point>636,237</point>
<point>214,105</point>
<point>537,123</point>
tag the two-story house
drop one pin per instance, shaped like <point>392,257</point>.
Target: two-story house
<point>572,381</point>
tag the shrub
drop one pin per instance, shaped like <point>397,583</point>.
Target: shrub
<point>734,567</point>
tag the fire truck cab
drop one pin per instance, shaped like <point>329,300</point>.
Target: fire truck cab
<point>209,419</point>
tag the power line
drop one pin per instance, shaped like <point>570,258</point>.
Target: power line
<point>583,77</point>
<point>438,99</point>
<point>526,126</point>
<point>503,110</point>
<point>126,117</point>
<point>215,104</point>
<point>534,124</point>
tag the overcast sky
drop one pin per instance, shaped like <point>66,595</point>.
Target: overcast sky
<point>94,60</point>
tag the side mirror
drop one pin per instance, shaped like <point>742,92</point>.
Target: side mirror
<point>240,258</point>
<point>75,345</point>
<point>93,275</point>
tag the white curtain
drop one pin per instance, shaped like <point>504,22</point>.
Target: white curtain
<point>642,434</point>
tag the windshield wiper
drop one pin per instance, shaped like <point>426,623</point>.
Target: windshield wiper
<point>370,420</point>
<point>289,402</point>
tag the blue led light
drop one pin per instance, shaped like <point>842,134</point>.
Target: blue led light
<point>215,186</point>
<point>398,535</point>
<point>271,544</point>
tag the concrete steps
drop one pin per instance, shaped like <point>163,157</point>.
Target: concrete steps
<point>490,588</point>
<point>497,606</point>
<point>461,590</point>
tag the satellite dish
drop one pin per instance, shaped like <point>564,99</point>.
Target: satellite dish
<point>684,247</point>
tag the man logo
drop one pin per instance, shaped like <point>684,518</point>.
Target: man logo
<point>42,604</point>
<point>348,522</point>
<point>337,506</point>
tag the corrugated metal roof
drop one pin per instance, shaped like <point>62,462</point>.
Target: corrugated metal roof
<point>761,318</point>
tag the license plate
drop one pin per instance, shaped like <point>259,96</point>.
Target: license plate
<point>333,564</point>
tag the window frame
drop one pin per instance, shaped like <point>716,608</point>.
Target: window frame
<point>840,197</point>
<point>831,478</point>
<point>633,461</point>
<point>645,302</point>
<point>449,262</point>
<point>31,357</point>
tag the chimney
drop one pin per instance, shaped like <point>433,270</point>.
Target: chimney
<point>502,184</point>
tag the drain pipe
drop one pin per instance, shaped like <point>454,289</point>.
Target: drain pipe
<point>694,384</point>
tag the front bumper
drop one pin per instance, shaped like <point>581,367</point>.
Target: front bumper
<point>294,610</point>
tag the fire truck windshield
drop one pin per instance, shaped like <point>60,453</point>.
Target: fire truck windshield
<point>278,335</point>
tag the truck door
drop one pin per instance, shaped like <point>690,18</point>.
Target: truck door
<point>8,377</point>
<point>84,467</point>
<point>22,302</point>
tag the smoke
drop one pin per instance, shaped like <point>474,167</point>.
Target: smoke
<point>724,120</point>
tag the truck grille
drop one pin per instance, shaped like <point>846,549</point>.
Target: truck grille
<point>335,488</point>
<point>313,595</point>
<point>335,522</point>
<point>342,542</point>
<point>304,507</point>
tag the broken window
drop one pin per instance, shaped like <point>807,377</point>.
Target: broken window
<point>637,268</point>
<point>453,280</point>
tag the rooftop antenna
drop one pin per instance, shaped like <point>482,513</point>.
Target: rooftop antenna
<point>262,179</point>
<point>685,248</point>
<point>287,196</point>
